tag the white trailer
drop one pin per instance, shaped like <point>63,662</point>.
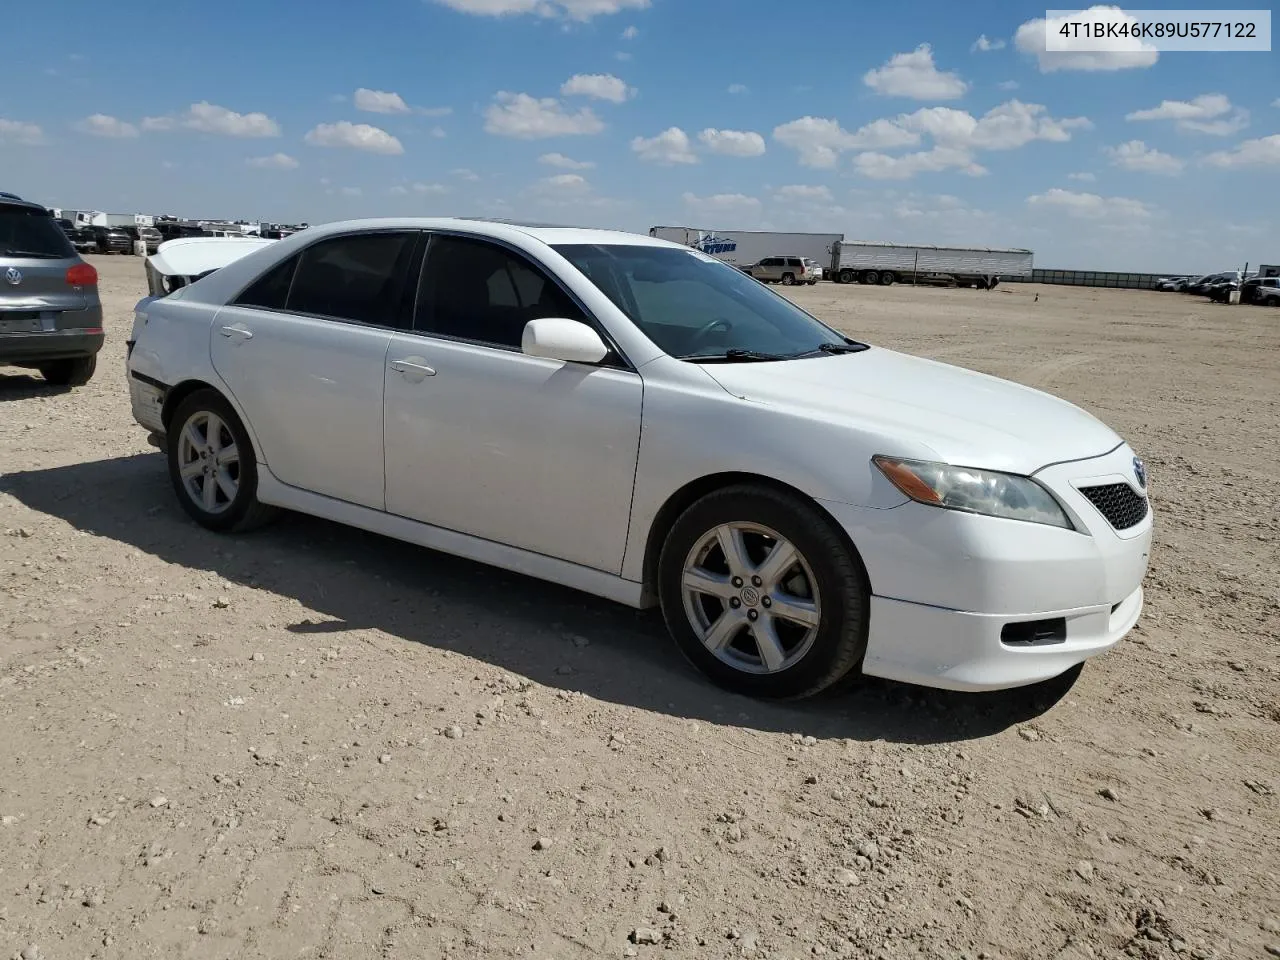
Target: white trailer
<point>885,263</point>
<point>96,218</point>
<point>745,247</point>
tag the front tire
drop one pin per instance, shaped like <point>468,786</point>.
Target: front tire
<point>212,465</point>
<point>75,372</point>
<point>762,594</point>
<point>788,279</point>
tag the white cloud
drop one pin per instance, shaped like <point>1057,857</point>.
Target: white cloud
<point>914,75</point>
<point>599,86</point>
<point>379,101</point>
<point>462,173</point>
<point>524,117</point>
<point>275,161</point>
<point>804,193</point>
<point>739,88</point>
<point>158,124</point>
<point>564,163</point>
<point>1138,157</point>
<point>19,131</point>
<point>439,133</point>
<point>208,117</point>
<point>1210,113</point>
<point>1084,177</point>
<point>622,56</point>
<point>1089,206</point>
<point>1007,85</point>
<point>1122,53</point>
<point>733,143</point>
<point>102,125</point>
<point>669,147</point>
<point>630,33</point>
<point>1263,152</point>
<point>881,166</point>
<point>356,136</point>
<point>983,44</point>
<point>722,205</point>
<point>351,191</point>
<point>1276,102</point>
<point>579,10</point>
<point>820,141</point>
<point>429,189</point>
<point>1005,127</point>
<point>566,181</point>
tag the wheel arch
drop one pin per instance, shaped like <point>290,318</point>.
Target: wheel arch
<point>184,388</point>
<point>695,490</point>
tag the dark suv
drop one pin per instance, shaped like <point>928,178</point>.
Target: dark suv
<point>50,314</point>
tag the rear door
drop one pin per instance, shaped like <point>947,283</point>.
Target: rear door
<point>303,350</point>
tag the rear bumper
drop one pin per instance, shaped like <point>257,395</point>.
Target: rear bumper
<point>29,348</point>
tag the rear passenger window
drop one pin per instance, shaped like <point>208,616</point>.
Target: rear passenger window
<point>475,290</point>
<point>271,289</point>
<point>357,277</point>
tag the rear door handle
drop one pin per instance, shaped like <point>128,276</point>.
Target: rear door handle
<point>413,365</point>
<point>238,331</point>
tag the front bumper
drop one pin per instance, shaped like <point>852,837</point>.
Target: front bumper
<point>946,585</point>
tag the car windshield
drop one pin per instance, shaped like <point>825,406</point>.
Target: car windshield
<point>25,232</point>
<point>694,307</point>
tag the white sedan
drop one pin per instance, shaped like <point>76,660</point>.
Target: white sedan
<point>640,421</point>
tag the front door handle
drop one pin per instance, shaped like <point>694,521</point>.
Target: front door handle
<point>413,365</point>
<point>238,331</point>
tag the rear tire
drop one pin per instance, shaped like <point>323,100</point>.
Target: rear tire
<point>788,279</point>
<point>75,372</point>
<point>744,634</point>
<point>846,276</point>
<point>887,278</point>
<point>871,277</point>
<point>213,466</point>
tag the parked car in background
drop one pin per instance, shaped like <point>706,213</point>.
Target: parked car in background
<point>151,237</point>
<point>1201,285</point>
<point>784,270</point>
<point>636,419</point>
<point>813,270</point>
<point>112,240</point>
<point>50,314</point>
<point>1172,283</point>
<point>1264,291</point>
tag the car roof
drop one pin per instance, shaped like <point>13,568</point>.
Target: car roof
<point>10,200</point>
<point>552,234</point>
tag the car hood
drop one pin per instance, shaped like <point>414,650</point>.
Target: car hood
<point>909,406</point>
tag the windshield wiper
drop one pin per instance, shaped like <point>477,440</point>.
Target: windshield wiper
<point>33,254</point>
<point>842,347</point>
<point>738,355</point>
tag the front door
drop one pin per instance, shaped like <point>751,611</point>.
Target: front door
<point>303,351</point>
<point>484,440</point>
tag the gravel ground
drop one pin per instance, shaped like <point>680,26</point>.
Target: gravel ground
<point>312,742</point>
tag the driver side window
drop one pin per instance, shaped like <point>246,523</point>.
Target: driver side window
<point>484,293</point>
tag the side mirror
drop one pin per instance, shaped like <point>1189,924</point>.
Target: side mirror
<point>556,338</point>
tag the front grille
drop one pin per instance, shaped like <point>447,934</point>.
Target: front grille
<point>1119,503</point>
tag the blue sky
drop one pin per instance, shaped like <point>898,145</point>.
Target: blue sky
<point>917,122</point>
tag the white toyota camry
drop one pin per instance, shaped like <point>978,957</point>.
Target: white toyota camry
<point>640,421</point>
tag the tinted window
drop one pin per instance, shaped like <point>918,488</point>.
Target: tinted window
<point>692,305</point>
<point>475,290</point>
<point>793,262</point>
<point>769,262</point>
<point>271,289</point>
<point>27,232</point>
<point>355,277</point>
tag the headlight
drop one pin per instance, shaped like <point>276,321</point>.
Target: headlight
<point>986,492</point>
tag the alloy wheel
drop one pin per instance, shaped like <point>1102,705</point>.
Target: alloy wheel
<point>751,598</point>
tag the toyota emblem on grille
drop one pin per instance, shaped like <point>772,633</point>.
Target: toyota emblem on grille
<point>14,276</point>
<point>1140,471</point>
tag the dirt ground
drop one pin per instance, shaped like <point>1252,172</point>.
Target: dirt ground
<point>312,742</point>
